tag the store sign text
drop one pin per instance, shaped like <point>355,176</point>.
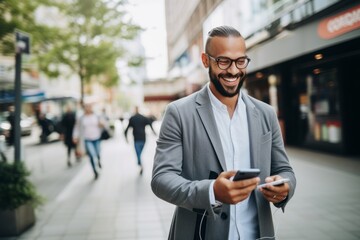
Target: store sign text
<point>339,24</point>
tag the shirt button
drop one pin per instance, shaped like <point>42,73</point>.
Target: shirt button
<point>223,216</point>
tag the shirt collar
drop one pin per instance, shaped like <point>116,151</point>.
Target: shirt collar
<point>216,102</point>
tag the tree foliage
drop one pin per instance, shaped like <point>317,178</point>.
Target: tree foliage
<point>20,15</point>
<point>87,39</point>
<point>92,40</point>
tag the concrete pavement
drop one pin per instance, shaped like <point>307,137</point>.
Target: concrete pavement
<point>120,204</point>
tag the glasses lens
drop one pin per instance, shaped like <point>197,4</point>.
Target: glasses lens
<point>223,63</point>
<point>241,62</point>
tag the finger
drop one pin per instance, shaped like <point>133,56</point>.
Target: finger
<point>240,194</point>
<point>227,174</point>
<point>251,182</point>
<point>273,178</point>
<point>278,198</point>
<point>278,188</point>
<point>274,196</point>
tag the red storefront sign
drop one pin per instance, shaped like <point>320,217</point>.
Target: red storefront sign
<point>339,24</point>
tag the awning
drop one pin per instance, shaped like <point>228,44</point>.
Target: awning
<point>28,95</point>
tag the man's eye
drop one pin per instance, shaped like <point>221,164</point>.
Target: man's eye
<point>241,61</point>
<point>223,61</point>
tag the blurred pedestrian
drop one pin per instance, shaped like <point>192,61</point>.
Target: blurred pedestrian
<point>47,127</point>
<point>2,145</point>
<point>88,127</point>
<point>106,131</point>
<point>11,120</point>
<point>206,137</point>
<point>67,127</point>
<point>138,124</point>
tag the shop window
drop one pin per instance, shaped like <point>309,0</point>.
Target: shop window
<point>319,107</point>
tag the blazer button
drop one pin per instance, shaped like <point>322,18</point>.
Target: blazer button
<point>223,216</point>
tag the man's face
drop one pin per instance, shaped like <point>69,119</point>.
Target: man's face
<point>226,90</point>
<point>227,82</point>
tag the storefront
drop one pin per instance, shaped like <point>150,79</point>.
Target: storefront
<point>325,93</point>
<point>313,82</point>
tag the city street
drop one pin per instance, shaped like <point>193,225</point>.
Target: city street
<point>121,205</point>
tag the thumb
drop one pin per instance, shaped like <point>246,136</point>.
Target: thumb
<point>227,174</point>
<point>270,179</point>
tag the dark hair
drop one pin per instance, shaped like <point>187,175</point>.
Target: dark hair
<point>221,31</point>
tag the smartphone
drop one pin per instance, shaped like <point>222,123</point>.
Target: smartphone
<point>274,183</point>
<point>246,173</point>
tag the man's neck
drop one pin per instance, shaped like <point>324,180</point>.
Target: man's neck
<point>229,102</point>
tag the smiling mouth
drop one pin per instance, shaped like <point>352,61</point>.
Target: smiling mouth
<point>230,79</point>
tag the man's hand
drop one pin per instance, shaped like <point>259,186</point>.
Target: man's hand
<point>233,192</point>
<point>275,194</point>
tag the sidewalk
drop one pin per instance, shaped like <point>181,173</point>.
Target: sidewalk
<point>121,206</point>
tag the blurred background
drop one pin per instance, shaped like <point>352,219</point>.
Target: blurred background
<point>118,54</point>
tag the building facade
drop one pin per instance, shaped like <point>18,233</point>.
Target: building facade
<point>305,56</point>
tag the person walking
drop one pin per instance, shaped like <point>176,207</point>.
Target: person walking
<point>11,119</point>
<point>138,124</point>
<point>106,131</point>
<point>88,127</point>
<point>207,136</point>
<point>67,126</point>
<point>47,127</point>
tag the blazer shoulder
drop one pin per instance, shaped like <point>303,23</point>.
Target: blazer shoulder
<point>185,102</point>
<point>261,106</point>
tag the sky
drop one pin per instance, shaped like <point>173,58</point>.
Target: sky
<point>151,16</point>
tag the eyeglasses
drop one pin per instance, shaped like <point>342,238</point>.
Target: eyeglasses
<point>224,63</point>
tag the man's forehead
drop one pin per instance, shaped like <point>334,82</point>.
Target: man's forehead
<point>231,44</point>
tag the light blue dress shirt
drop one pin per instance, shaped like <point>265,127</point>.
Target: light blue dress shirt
<point>234,137</point>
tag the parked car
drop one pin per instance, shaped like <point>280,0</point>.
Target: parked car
<point>26,124</point>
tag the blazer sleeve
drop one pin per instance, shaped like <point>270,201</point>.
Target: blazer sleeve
<point>280,161</point>
<point>167,180</point>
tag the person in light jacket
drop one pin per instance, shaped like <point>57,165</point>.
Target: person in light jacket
<point>89,127</point>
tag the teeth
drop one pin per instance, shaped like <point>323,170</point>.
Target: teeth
<point>230,79</point>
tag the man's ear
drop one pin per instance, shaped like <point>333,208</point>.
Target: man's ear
<point>205,60</point>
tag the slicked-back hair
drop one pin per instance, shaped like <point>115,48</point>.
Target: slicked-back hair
<point>221,31</point>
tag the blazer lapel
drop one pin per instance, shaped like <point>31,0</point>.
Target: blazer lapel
<point>207,117</point>
<point>254,130</point>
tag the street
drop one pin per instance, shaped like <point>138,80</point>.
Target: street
<point>120,204</point>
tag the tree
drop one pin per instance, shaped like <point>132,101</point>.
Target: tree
<point>91,42</point>
<point>87,37</point>
<point>20,15</point>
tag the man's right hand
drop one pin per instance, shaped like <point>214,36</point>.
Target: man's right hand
<point>233,192</point>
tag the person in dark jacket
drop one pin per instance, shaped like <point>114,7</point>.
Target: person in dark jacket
<point>11,119</point>
<point>67,124</point>
<point>138,124</point>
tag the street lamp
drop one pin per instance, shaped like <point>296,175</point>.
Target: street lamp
<point>22,45</point>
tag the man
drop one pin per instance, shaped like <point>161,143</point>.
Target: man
<point>138,124</point>
<point>206,137</point>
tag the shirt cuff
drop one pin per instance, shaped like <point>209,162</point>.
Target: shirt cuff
<point>214,203</point>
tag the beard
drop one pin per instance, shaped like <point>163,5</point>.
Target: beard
<point>224,92</point>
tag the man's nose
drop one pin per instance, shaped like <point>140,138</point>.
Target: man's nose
<point>233,69</point>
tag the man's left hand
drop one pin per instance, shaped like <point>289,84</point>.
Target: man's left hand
<point>275,194</point>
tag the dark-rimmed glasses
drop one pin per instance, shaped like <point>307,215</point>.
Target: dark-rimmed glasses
<point>224,62</point>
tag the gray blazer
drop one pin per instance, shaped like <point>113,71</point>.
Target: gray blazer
<point>189,154</point>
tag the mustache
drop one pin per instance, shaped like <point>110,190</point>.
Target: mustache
<point>229,75</point>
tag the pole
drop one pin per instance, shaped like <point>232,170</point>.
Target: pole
<point>17,130</point>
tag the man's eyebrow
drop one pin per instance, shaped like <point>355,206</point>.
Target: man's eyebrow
<point>245,56</point>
